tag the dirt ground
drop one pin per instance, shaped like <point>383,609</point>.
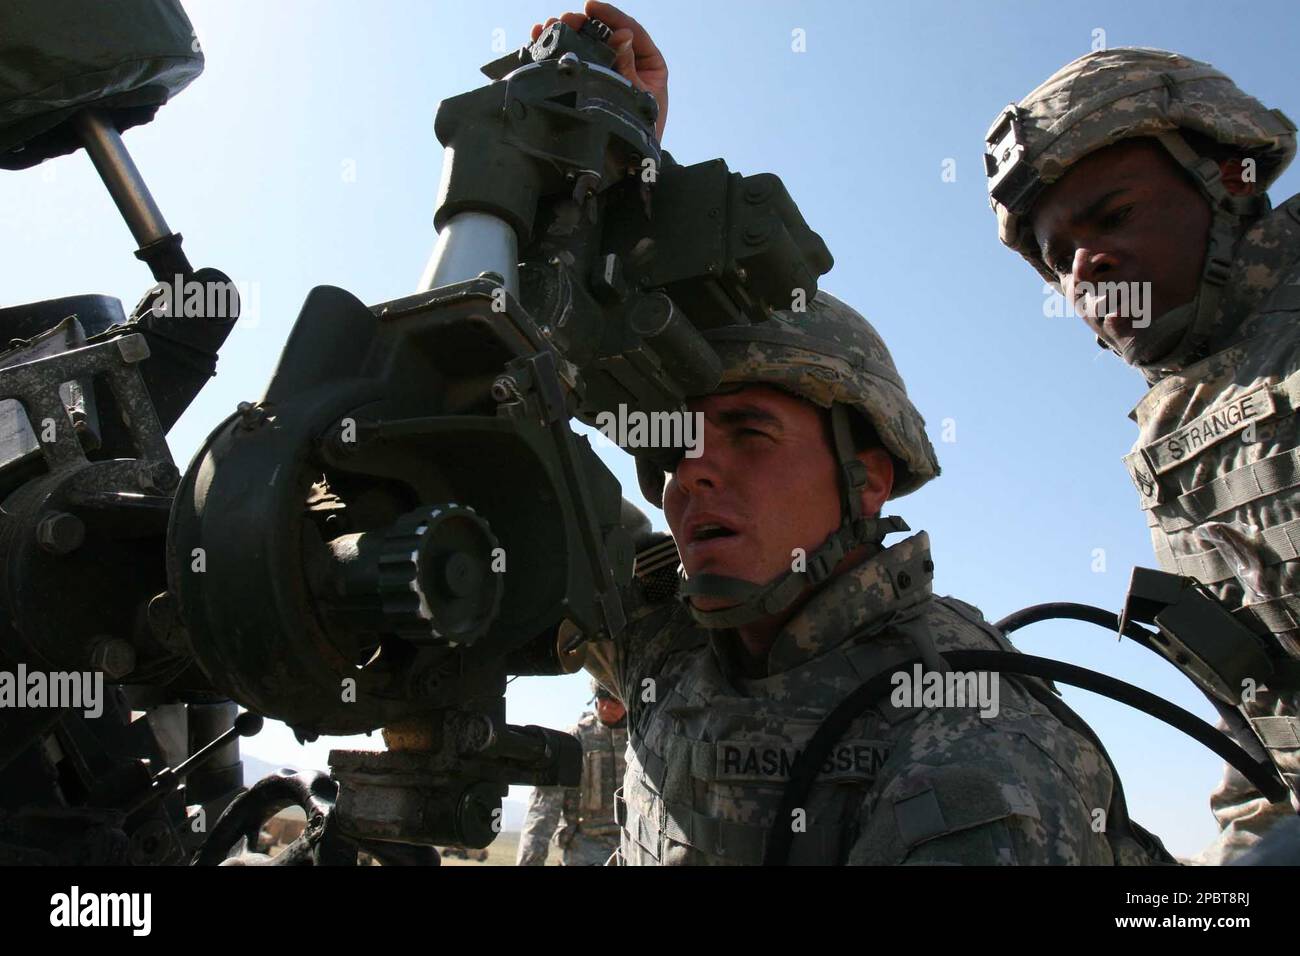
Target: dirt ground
<point>501,852</point>
<point>286,826</point>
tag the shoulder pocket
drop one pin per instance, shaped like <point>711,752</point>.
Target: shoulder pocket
<point>953,815</point>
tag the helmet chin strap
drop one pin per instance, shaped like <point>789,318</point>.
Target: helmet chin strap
<point>1180,336</point>
<point>753,602</point>
<point>1166,332</point>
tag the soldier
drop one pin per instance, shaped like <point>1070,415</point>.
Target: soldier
<point>1135,174</point>
<point>792,602</point>
<point>582,817</point>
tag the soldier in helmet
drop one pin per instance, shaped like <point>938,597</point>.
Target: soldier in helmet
<point>792,601</point>
<point>1136,167</point>
<point>581,818</point>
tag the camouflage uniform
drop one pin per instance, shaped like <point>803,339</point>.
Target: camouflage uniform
<point>581,818</point>
<point>711,749</point>
<point>1217,459</point>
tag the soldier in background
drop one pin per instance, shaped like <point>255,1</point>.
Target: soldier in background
<point>582,818</point>
<point>1136,175</point>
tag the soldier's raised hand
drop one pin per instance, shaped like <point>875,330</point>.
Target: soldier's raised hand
<point>635,55</point>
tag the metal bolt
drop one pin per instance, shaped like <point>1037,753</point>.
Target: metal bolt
<point>649,106</point>
<point>742,276</point>
<point>133,348</point>
<point>149,844</point>
<point>114,656</point>
<point>160,477</point>
<point>569,63</point>
<point>492,277</point>
<point>250,415</point>
<point>584,187</point>
<point>505,389</point>
<point>166,629</point>
<point>60,533</point>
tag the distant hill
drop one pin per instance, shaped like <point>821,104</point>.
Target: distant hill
<point>512,811</point>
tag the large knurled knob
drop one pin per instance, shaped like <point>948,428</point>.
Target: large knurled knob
<point>436,575</point>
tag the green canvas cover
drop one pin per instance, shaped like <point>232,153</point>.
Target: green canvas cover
<point>126,57</point>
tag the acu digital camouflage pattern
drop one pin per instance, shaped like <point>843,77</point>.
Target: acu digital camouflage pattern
<point>829,353</point>
<point>581,818</point>
<point>1217,468</point>
<point>826,353</point>
<point>711,749</point>
<point>1216,463</point>
<point>1118,94</point>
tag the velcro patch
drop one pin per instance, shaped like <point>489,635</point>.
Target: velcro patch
<point>770,759</point>
<point>1209,429</point>
<point>1144,478</point>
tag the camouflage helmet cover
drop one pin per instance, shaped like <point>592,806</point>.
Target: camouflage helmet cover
<point>1112,95</point>
<point>829,353</point>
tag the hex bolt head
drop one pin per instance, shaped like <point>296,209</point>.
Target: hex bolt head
<point>114,656</point>
<point>160,477</point>
<point>251,415</point>
<point>60,533</point>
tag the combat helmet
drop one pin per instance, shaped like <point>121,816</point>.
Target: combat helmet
<point>1124,93</point>
<point>831,356</point>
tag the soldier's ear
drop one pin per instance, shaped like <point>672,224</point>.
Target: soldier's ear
<point>1233,172</point>
<point>880,479</point>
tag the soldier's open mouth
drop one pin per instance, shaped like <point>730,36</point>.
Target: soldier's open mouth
<point>707,531</point>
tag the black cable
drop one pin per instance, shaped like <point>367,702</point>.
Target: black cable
<point>1232,718</point>
<point>807,764</point>
<point>1076,612</point>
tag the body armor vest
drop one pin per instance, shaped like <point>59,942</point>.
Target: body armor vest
<point>1217,469</point>
<point>711,751</point>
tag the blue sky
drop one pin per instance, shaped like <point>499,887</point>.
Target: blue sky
<point>305,155</point>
